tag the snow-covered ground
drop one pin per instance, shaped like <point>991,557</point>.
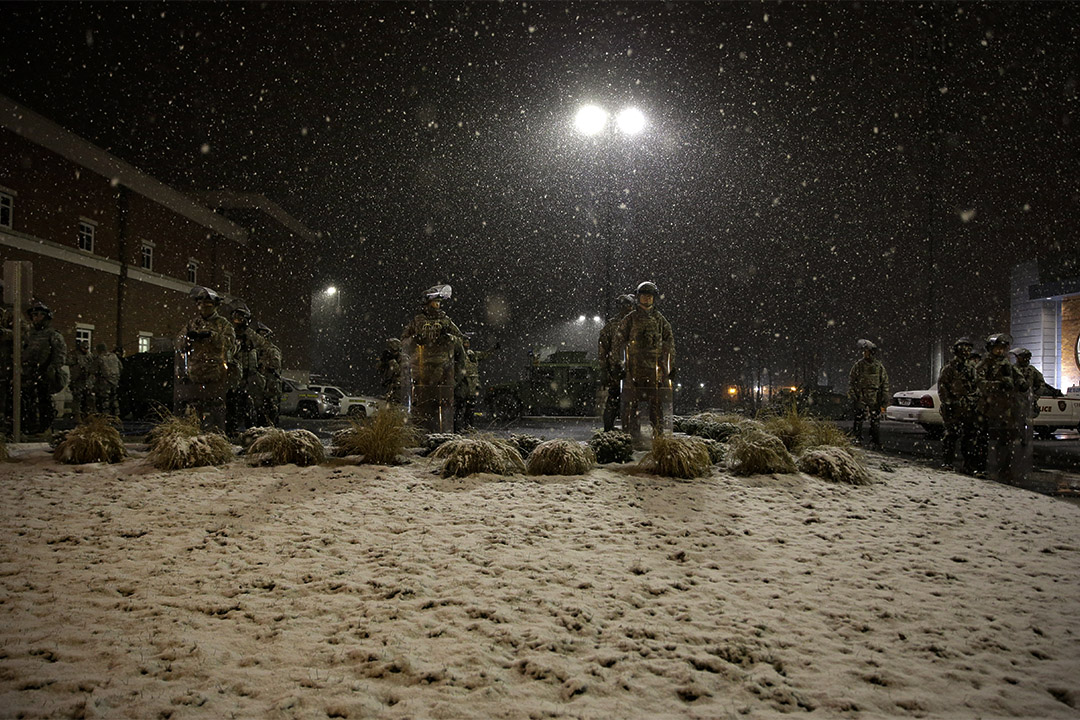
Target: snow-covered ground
<point>364,591</point>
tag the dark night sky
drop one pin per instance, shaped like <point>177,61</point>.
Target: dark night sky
<point>802,164</point>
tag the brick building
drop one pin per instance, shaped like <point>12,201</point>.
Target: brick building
<point>115,252</point>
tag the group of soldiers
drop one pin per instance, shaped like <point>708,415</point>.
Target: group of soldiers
<point>987,403</point>
<point>227,370</point>
<point>441,370</point>
<point>95,381</point>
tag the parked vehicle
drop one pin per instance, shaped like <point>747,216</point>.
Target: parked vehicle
<point>348,405</point>
<point>924,407</point>
<point>299,400</point>
<point>565,383</point>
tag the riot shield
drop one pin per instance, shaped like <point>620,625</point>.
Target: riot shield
<point>428,375</point>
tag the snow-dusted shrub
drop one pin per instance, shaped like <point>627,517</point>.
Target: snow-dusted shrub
<point>561,457</point>
<point>467,455</point>
<point>380,439</point>
<point>799,431</point>
<point>612,446</point>
<point>835,464</point>
<point>717,450</point>
<point>682,457</point>
<point>754,450</point>
<point>94,440</point>
<point>282,447</point>
<point>176,451</point>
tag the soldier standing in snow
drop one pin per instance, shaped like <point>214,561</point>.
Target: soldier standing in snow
<point>868,389</point>
<point>243,399</point>
<point>107,368</point>
<point>958,394</point>
<point>390,370</point>
<point>609,364</point>
<point>645,340</point>
<point>205,351</point>
<point>81,366</point>
<point>1003,393</point>
<point>43,358</point>
<point>432,342</point>
<point>270,370</point>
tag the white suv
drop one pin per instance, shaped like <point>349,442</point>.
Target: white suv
<point>348,405</point>
<point>299,400</point>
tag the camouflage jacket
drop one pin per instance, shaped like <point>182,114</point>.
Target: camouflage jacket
<point>434,345</point>
<point>44,351</point>
<point>649,344</point>
<point>82,371</point>
<point>107,369</point>
<point>250,348</point>
<point>207,346</point>
<point>605,346</point>
<point>1002,392</point>
<point>1036,381</point>
<point>868,383</point>
<point>956,387</point>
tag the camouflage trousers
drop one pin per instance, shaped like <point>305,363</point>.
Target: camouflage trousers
<point>861,411</point>
<point>108,400</point>
<point>82,403</point>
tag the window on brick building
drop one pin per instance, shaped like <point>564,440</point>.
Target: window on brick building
<point>144,341</point>
<point>85,333</point>
<point>226,282</point>
<point>7,206</point>
<point>193,271</point>
<point>86,236</point>
<point>146,258</point>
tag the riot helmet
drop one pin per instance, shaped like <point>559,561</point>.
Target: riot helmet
<point>647,288</point>
<point>626,301</point>
<point>998,339</point>
<point>1022,353</point>
<point>202,294</point>
<point>865,344</point>
<point>240,308</point>
<point>263,329</point>
<point>36,306</point>
<point>437,292</point>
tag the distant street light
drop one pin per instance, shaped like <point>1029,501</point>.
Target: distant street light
<point>630,121</point>
<point>330,291</point>
<point>590,120</point>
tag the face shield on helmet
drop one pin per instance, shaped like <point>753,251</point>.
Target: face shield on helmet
<point>437,292</point>
<point>204,294</point>
<point>647,288</point>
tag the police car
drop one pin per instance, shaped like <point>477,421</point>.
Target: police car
<point>924,408</point>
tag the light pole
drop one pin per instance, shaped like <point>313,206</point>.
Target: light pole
<point>593,121</point>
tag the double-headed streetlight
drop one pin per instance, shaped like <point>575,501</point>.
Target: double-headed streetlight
<point>593,121</point>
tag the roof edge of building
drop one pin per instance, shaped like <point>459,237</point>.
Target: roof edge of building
<point>237,200</point>
<point>51,136</point>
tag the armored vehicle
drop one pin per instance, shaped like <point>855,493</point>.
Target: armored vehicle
<point>565,382</point>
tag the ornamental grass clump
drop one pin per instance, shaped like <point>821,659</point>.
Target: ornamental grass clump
<point>178,442</point>
<point>835,464</point>
<point>681,457</point>
<point>612,446</point>
<point>467,455</point>
<point>561,457</point>
<point>717,450</point>
<point>94,440</point>
<point>799,431</point>
<point>381,439</point>
<point>282,447</point>
<point>756,451</point>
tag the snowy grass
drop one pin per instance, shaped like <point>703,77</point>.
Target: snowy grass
<point>177,442</point>
<point>835,464</point>
<point>467,455</point>
<point>96,439</point>
<point>380,440</point>
<point>677,457</point>
<point>561,457</point>
<point>756,451</point>
<point>283,447</point>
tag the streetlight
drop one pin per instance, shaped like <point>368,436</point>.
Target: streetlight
<point>591,121</point>
<point>330,291</point>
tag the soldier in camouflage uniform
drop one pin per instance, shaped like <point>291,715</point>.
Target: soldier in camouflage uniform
<point>390,370</point>
<point>270,369</point>
<point>433,344</point>
<point>205,350</point>
<point>43,357</point>
<point>1003,394</point>
<point>1037,386</point>
<point>468,388</point>
<point>868,389</point>
<point>243,399</point>
<point>107,369</point>
<point>81,366</point>
<point>609,365</point>
<point>959,395</point>
<point>645,347</point>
